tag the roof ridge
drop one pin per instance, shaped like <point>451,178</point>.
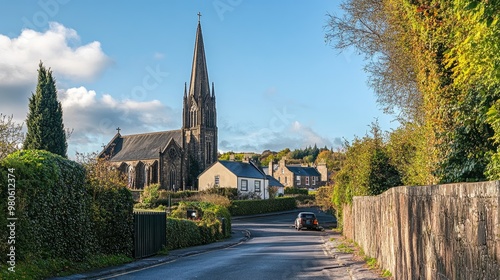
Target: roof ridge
<point>150,133</point>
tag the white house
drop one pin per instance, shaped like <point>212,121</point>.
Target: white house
<point>246,176</point>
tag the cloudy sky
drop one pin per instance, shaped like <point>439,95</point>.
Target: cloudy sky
<point>124,64</point>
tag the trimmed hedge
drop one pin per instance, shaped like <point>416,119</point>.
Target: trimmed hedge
<point>184,233</point>
<point>292,190</point>
<point>252,207</point>
<point>52,206</point>
<point>60,214</point>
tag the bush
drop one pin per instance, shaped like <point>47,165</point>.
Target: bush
<point>150,193</point>
<point>62,213</point>
<point>52,206</point>
<point>292,190</point>
<point>251,207</point>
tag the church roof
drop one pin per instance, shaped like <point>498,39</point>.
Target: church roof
<point>143,146</point>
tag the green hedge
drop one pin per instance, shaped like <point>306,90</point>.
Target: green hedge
<point>52,206</point>
<point>207,229</point>
<point>113,220</point>
<point>59,213</point>
<point>292,190</point>
<point>252,207</point>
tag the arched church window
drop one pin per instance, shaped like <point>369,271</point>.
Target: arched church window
<point>130,172</point>
<point>172,180</point>
<point>146,175</point>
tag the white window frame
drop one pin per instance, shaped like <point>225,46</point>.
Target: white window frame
<point>314,180</point>
<point>257,186</point>
<point>307,180</point>
<point>297,179</point>
<point>216,180</point>
<point>244,185</point>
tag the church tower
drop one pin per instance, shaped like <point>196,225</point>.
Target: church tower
<point>199,122</point>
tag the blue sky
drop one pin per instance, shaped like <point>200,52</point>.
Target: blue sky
<point>124,64</point>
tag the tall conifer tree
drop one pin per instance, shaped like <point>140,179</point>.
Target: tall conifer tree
<point>44,121</point>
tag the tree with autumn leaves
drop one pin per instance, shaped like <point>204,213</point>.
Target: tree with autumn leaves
<point>434,64</point>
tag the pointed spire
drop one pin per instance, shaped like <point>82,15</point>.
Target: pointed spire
<point>199,85</point>
<point>185,90</point>
<point>213,90</point>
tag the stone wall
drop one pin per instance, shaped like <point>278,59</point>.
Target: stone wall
<point>432,232</point>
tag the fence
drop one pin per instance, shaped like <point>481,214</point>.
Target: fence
<point>149,233</point>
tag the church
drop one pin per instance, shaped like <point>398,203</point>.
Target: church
<point>173,158</point>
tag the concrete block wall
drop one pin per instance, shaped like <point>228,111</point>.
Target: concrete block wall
<point>447,231</point>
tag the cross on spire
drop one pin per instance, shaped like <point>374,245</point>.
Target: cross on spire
<point>199,16</point>
<point>118,129</point>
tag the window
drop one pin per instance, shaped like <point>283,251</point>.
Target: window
<point>257,186</point>
<point>282,171</point>
<point>298,180</point>
<point>244,185</point>
<point>217,180</point>
<point>307,181</point>
<point>314,178</point>
<point>286,180</point>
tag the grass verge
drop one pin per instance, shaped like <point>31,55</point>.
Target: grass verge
<point>41,269</point>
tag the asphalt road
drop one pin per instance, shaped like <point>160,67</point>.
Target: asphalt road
<point>275,251</point>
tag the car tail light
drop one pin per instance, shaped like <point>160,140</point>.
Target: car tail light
<point>315,221</point>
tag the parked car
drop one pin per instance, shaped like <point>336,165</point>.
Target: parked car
<point>306,220</point>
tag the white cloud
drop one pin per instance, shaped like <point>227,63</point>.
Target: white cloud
<point>57,47</point>
<point>294,136</point>
<point>94,119</point>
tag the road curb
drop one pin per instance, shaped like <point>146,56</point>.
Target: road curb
<point>153,261</point>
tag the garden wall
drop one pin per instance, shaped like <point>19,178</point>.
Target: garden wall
<point>432,232</point>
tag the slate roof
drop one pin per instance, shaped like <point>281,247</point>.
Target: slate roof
<point>273,182</point>
<point>242,169</point>
<point>303,171</point>
<point>143,146</point>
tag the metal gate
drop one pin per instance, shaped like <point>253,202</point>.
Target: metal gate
<point>150,234</point>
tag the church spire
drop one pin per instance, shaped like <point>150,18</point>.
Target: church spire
<point>199,85</point>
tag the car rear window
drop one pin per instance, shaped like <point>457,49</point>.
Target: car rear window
<point>308,216</point>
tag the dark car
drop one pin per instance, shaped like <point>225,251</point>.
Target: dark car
<point>306,220</point>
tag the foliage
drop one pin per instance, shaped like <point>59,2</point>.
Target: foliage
<point>251,207</point>
<point>65,220</point>
<point>60,267</point>
<point>293,190</point>
<point>52,204</point>
<point>11,135</point>
<point>436,64</point>
<point>150,193</point>
<point>215,199</point>
<point>45,121</point>
<point>112,205</point>
<point>208,228</point>
<point>273,191</point>
<point>324,198</point>
<point>367,169</point>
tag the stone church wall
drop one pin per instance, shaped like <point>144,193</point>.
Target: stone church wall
<point>431,232</point>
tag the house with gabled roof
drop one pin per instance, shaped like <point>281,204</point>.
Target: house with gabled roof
<point>246,176</point>
<point>173,158</point>
<point>297,175</point>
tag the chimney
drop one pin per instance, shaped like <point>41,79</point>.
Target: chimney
<point>271,168</point>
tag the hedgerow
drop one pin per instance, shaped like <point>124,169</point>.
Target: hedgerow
<point>252,207</point>
<point>62,213</point>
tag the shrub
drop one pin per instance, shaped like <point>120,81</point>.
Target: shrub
<point>53,207</point>
<point>150,193</point>
<point>292,190</point>
<point>251,207</point>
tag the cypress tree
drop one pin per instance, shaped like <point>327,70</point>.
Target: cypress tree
<point>44,121</point>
